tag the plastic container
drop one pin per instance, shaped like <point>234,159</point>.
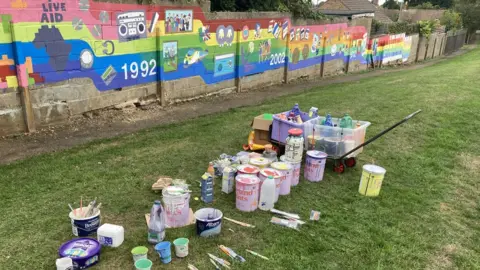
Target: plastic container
<point>296,171</point>
<point>248,169</point>
<point>164,250</point>
<point>87,226</point>
<point>208,222</point>
<point>143,264</point>
<point>64,263</point>
<point>176,202</point>
<point>287,173</point>
<point>247,187</point>
<point>156,226</point>
<point>139,253</point>
<point>267,194</point>
<point>294,147</point>
<point>110,235</point>
<point>181,247</point>
<point>277,175</point>
<point>84,252</point>
<point>280,127</point>
<point>371,181</point>
<point>334,141</point>
<point>315,165</point>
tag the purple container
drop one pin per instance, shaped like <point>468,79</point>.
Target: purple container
<point>85,252</point>
<point>280,127</point>
<point>315,165</point>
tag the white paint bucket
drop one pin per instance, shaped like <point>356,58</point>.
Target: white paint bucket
<point>296,171</point>
<point>287,173</point>
<point>177,206</point>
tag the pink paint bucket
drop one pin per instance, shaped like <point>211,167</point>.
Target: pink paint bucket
<point>176,202</point>
<point>248,169</point>
<point>287,173</point>
<point>315,165</point>
<point>247,187</point>
<point>277,175</point>
<point>296,171</point>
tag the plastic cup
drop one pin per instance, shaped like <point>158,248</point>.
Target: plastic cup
<point>181,247</point>
<point>64,263</point>
<point>139,253</point>
<point>163,250</point>
<point>143,264</point>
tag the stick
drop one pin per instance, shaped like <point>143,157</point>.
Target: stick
<point>256,254</point>
<point>239,223</point>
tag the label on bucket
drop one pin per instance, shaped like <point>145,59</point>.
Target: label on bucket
<point>106,241</point>
<point>85,227</point>
<point>371,183</point>
<point>247,192</point>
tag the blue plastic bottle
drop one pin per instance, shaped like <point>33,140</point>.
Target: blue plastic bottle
<point>296,109</point>
<point>328,121</point>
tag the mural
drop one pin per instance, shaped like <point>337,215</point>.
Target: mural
<point>120,45</point>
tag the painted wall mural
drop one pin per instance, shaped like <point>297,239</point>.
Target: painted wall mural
<point>120,45</point>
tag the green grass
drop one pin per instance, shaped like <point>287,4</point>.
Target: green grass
<point>425,217</point>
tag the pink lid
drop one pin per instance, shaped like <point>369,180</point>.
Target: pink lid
<point>295,131</point>
<point>271,172</point>
<point>248,169</point>
<point>247,179</point>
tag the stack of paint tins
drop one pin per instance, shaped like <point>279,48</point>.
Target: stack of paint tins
<point>293,157</point>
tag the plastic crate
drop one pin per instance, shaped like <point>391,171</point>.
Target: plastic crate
<point>280,127</point>
<point>334,141</point>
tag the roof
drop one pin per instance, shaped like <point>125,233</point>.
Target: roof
<point>353,7</point>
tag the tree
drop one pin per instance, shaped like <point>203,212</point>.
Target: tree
<point>391,4</point>
<point>430,4</point>
<point>470,11</point>
<point>451,19</point>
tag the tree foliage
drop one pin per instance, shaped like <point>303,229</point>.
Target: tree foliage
<point>430,4</point>
<point>391,4</point>
<point>470,12</point>
<point>451,19</point>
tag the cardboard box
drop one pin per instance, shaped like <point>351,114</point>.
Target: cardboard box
<point>261,127</point>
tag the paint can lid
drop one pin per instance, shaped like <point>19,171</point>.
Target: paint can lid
<point>316,154</point>
<point>374,169</point>
<point>79,248</point>
<point>295,131</point>
<point>259,161</point>
<point>282,166</point>
<point>248,169</point>
<point>270,172</point>
<point>174,191</point>
<point>247,179</point>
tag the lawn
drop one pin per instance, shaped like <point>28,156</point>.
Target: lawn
<point>426,216</point>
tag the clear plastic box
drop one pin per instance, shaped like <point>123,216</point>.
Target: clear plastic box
<point>334,141</point>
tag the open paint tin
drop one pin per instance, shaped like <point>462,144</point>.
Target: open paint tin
<point>84,252</point>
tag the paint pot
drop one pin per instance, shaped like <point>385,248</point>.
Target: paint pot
<point>208,222</point>
<point>287,173</point>
<point>277,175</point>
<point>82,227</point>
<point>84,252</point>
<point>247,187</point>
<point>176,201</point>
<point>181,247</point>
<point>143,264</point>
<point>64,263</point>
<point>164,251</point>
<point>371,181</point>
<point>248,169</point>
<point>260,162</point>
<point>315,165</point>
<point>139,253</point>
<point>296,171</point>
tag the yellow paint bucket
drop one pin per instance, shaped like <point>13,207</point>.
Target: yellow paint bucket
<point>371,181</point>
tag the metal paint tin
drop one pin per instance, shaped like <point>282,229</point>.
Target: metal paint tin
<point>248,169</point>
<point>260,162</point>
<point>371,181</point>
<point>296,171</point>
<point>315,165</point>
<point>287,173</point>
<point>247,187</point>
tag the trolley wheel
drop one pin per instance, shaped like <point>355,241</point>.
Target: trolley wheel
<point>339,167</point>
<point>351,162</point>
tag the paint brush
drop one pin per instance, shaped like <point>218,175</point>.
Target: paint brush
<point>215,264</point>
<point>192,267</point>
<point>220,261</point>
<point>97,209</point>
<point>256,254</point>
<point>239,223</point>
<point>231,253</point>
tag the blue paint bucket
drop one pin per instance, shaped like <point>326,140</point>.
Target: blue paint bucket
<point>164,251</point>
<point>86,226</point>
<point>84,252</point>
<point>209,222</point>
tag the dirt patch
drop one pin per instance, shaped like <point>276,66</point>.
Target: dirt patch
<point>444,207</point>
<point>113,122</point>
<point>443,259</point>
<point>470,162</point>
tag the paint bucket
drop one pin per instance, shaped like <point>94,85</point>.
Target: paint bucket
<point>139,253</point>
<point>82,227</point>
<point>164,251</point>
<point>64,263</point>
<point>247,187</point>
<point>176,203</point>
<point>181,247</point>
<point>143,264</point>
<point>248,169</point>
<point>84,252</point>
<point>371,181</point>
<point>277,175</point>
<point>296,171</point>
<point>315,165</point>
<point>287,173</point>
<point>260,162</point>
<point>208,222</point>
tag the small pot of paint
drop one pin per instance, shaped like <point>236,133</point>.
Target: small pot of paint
<point>248,169</point>
<point>208,222</point>
<point>181,247</point>
<point>247,187</point>
<point>260,162</point>
<point>277,175</point>
<point>143,264</point>
<point>139,253</point>
<point>287,173</point>
<point>315,165</point>
<point>371,181</point>
<point>296,170</point>
<point>84,226</point>
<point>164,251</point>
<point>84,252</point>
